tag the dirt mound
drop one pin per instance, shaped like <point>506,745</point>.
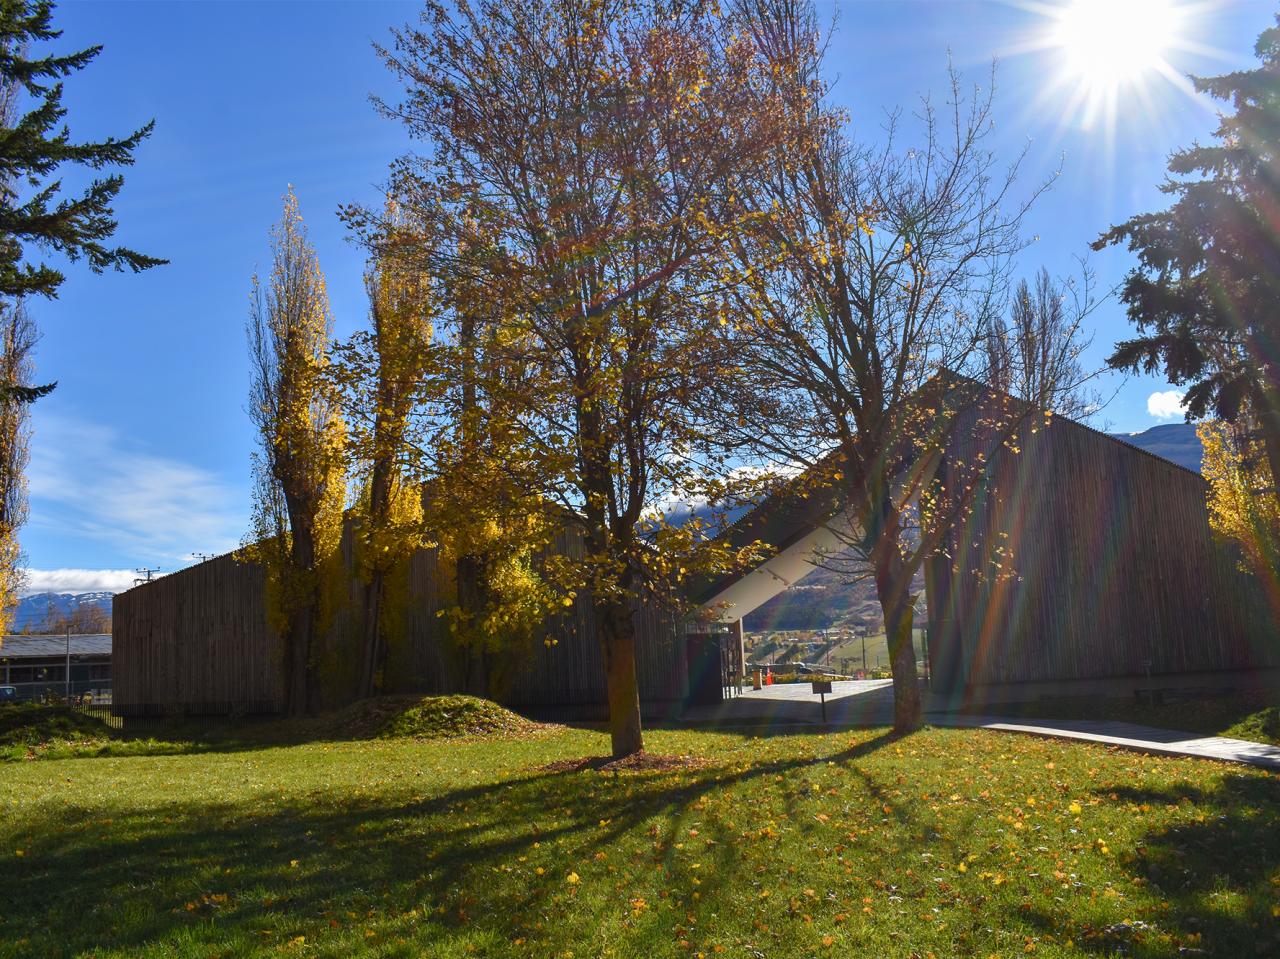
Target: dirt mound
<point>636,762</point>
<point>430,717</point>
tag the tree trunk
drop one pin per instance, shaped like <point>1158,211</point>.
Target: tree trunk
<point>299,660</point>
<point>893,589</point>
<point>618,642</point>
<point>470,577</point>
<point>302,617</point>
<point>1269,427</point>
<point>373,595</point>
<point>908,709</point>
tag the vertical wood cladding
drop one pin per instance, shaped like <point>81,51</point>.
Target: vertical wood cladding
<point>1107,567</point>
<point>198,641</point>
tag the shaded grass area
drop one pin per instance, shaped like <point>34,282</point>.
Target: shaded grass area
<point>944,843</point>
<point>56,732</point>
<point>1252,715</point>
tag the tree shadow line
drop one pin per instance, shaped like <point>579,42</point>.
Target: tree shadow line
<point>217,874</point>
<point>1219,873</point>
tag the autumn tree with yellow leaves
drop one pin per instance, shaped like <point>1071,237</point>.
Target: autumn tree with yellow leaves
<point>602,147</point>
<point>298,468</point>
<point>385,374</point>
<point>1244,505</point>
<point>494,529</point>
<point>17,343</point>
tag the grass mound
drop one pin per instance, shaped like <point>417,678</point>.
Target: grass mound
<point>430,717</point>
<point>443,717</point>
<point>28,726</point>
<point>1262,726</point>
<point>55,732</point>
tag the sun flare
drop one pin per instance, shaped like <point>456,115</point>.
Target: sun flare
<point>1110,43</point>
<point>1114,57</point>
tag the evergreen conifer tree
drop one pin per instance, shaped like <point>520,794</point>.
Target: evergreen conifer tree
<point>1204,293</point>
<point>34,209</point>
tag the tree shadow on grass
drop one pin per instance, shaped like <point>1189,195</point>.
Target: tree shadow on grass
<point>1217,869</point>
<point>475,867</point>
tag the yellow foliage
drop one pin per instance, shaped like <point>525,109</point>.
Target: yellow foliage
<point>300,486</point>
<point>514,598</point>
<point>1243,504</point>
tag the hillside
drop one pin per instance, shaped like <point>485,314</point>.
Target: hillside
<point>1176,442</point>
<point>819,601</point>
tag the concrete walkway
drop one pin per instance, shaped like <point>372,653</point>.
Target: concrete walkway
<point>870,703</point>
<point>1144,739</point>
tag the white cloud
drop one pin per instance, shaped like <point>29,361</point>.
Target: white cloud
<point>1166,405</point>
<point>88,481</point>
<point>78,580</point>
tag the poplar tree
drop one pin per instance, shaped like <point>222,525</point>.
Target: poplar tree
<point>385,375</point>
<point>298,469</point>
<point>1037,354</point>
<point>17,343</point>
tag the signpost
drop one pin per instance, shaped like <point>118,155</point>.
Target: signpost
<point>820,688</point>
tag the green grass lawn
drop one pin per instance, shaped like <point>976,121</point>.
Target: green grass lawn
<point>1253,715</point>
<point>946,843</point>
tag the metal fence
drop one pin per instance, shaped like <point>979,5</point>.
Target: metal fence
<point>95,692</point>
<point>98,710</point>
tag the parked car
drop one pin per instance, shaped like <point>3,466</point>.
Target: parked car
<point>8,694</point>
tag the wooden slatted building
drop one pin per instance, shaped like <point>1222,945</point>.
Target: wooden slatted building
<point>1107,568</point>
<point>198,642</point>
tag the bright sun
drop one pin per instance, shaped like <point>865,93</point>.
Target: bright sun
<point>1113,56</point>
<point>1108,44</point>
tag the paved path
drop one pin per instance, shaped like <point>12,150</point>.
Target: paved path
<point>870,703</point>
<point>866,702</point>
<point>1145,739</point>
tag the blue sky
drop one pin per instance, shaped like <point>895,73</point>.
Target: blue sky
<point>141,456</point>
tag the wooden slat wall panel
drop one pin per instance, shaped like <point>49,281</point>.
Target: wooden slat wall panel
<point>1115,566</point>
<point>197,641</point>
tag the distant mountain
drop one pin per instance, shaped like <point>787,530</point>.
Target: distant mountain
<point>43,611</point>
<point>819,601</point>
<point>1176,442</point>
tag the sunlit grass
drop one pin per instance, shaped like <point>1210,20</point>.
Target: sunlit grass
<point>950,843</point>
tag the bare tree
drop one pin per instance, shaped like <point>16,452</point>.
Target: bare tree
<point>873,278</point>
<point>1037,353</point>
